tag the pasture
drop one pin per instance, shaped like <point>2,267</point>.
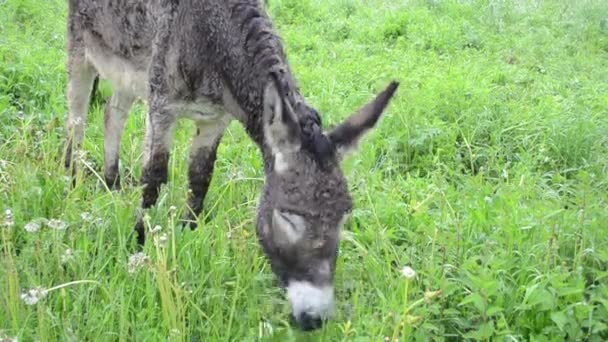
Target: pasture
<point>488,177</point>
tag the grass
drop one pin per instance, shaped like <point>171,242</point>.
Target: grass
<point>488,176</point>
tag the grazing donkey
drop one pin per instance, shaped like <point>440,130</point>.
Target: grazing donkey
<point>214,61</point>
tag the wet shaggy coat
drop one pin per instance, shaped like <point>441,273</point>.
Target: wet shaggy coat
<point>213,61</point>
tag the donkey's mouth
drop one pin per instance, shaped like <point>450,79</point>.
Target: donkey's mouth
<point>306,322</point>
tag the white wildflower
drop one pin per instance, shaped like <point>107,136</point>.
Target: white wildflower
<point>32,227</point>
<point>172,210</point>
<point>161,240</point>
<point>6,338</point>
<point>9,221</point>
<point>33,296</point>
<point>87,217</point>
<point>155,230</point>
<point>136,261</point>
<point>67,256</point>
<point>408,272</point>
<point>57,224</point>
<point>80,155</point>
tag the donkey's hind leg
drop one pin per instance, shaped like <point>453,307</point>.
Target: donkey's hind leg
<point>81,75</point>
<point>116,114</point>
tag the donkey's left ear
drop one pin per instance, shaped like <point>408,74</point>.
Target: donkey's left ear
<point>281,126</point>
<point>348,134</point>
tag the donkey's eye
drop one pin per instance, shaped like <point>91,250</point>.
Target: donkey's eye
<point>288,226</point>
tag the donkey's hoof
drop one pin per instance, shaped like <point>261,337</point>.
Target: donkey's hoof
<point>113,182</point>
<point>140,231</point>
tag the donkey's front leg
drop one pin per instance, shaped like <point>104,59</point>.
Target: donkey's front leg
<point>158,140</point>
<point>81,77</point>
<point>202,160</point>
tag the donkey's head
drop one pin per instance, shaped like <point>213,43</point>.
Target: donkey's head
<point>306,199</point>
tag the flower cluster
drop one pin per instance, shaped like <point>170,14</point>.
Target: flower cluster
<point>408,272</point>
<point>33,296</point>
<point>9,221</point>
<point>6,338</point>
<point>137,261</point>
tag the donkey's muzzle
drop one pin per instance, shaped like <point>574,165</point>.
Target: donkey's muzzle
<point>307,322</point>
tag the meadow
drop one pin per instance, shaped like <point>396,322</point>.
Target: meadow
<point>488,177</point>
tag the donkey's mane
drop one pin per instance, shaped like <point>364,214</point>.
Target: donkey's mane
<point>264,51</point>
<point>262,46</point>
<point>313,139</point>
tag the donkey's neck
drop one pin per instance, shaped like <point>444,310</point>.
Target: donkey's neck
<point>257,51</point>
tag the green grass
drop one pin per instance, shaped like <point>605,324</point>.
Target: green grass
<point>488,176</point>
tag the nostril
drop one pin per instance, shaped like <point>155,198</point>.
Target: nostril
<point>307,322</point>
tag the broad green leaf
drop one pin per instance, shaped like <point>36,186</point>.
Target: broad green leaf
<point>560,318</point>
<point>485,331</point>
<point>476,300</point>
<point>493,310</point>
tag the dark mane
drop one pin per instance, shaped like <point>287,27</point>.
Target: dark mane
<point>313,140</point>
<point>262,54</point>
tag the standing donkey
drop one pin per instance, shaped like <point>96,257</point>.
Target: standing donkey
<point>214,61</point>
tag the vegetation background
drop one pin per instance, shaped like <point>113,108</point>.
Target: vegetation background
<point>488,176</point>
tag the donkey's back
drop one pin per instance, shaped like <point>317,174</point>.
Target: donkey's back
<point>176,48</point>
<point>116,40</point>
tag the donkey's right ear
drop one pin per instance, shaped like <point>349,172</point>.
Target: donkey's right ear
<point>281,127</point>
<point>348,134</point>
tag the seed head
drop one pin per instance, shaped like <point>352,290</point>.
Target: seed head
<point>33,296</point>
<point>9,221</point>
<point>6,338</point>
<point>408,272</point>
<point>67,256</point>
<point>412,320</point>
<point>155,230</point>
<point>429,296</point>
<point>161,240</point>
<point>87,217</point>
<point>57,224</point>
<point>32,227</point>
<point>136,261</point>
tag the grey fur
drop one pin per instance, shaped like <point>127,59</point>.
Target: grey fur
<point>213,61</point>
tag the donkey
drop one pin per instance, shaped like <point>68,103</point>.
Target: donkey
<point>214,61</point>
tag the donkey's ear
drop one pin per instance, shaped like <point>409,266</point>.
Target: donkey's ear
<point>281,127</point>
<point>347,135</point>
